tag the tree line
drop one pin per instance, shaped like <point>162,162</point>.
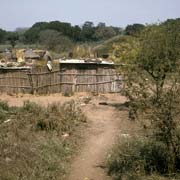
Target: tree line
<point>56,31</point>
<point>88,32</point>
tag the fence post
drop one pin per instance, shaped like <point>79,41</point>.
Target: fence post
<point>97,86</point>
<point>74,83</point>
<point>31,81</point>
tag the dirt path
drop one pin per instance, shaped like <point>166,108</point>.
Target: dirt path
<point>99,138</point>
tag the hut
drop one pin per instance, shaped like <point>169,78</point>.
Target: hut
<point>89,76</point>
<point>29,55</point>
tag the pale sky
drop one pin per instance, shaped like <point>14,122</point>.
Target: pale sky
<point>24,13</point>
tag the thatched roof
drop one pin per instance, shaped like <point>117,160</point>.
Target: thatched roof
<point>29,54</point>
<point>39,52</point>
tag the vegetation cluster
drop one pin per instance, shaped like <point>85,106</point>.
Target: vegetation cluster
<point>37,142</point>
<point>151,70</point>
<point>63,38</point>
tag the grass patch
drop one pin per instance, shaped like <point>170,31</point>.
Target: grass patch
<point>32,145</point>
<point>4,111</point>
<point>139,159</point>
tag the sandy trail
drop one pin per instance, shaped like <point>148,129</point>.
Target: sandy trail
<point>103,130</point>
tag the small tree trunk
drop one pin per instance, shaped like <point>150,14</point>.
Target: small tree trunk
<point>170,143</point>
<point>171,159</point>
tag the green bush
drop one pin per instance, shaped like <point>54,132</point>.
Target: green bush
<point>135,158</point>
<point>4,105</point>
<point>55,117</point>
<point>3,111</point>
<point>31,107</point>
<point>68,93</point>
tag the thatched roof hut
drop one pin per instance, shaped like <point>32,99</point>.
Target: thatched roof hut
<point>29,54</point>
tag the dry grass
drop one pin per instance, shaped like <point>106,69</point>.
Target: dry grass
<point>32,145</point>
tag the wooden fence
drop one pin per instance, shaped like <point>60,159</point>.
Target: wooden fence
<point>63,78</point>
<point>15,80</point>
<point>89,78</point>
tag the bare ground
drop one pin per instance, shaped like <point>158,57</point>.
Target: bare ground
<point>17,100</point>
<point>105,124</point>
<point>100,136</point>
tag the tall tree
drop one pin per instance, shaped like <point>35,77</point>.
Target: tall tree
<point>88,31</point>
<point>2,35</point>
<point>134,29</point>
<point>103,32</point>
<point>12,37</point>
<point>153,84</point>
<point>54,40</point>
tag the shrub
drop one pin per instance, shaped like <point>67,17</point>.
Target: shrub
<point>4,105</point>
<point>55,117</point>
<point>68,93</point>
<point>135,158</point>
<point>31,107</point>
<point>3,111</point>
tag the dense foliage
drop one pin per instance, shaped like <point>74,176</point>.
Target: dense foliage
<point>139,159</point>
<point>134,29</point>
<point>88,32</point>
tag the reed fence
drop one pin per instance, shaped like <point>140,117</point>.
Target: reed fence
<point>63,78</point>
